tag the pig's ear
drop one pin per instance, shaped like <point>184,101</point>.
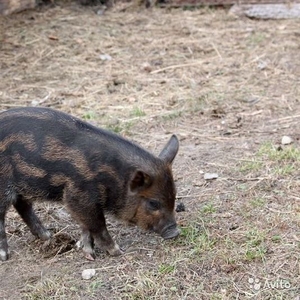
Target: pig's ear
<point>140,181</point>
<point>170,150</point>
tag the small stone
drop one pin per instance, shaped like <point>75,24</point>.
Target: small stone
<point>286,140</point>
<point>100,12</point>
<point>262,64</point>
<point>233,227</point>
<point>105,57</point>
<point>88,274</point>
<point>147,67</point>
<point>35,103</point>
<point>210,176</point>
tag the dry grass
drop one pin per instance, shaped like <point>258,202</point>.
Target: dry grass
<point>228,87</point>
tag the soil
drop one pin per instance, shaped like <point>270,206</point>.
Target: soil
<point>228,87</point>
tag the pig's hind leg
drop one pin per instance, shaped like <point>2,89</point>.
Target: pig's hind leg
<point>7,197</point>
<point>4,253</point>
<point>36,227</point>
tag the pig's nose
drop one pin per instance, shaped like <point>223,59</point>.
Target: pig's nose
<point>170,232</point>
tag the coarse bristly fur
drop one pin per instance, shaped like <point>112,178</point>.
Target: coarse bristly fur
<point>49,155</point>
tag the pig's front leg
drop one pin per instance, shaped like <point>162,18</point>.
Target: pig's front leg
<point>86,243</point>
<point>102,239</point>
<point>92,220</point>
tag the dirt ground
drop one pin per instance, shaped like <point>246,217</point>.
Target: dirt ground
<point>228,87</point>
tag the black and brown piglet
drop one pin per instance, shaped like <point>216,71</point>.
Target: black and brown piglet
<point>49,155</point>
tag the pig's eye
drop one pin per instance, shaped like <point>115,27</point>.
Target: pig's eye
<point>154,205</point>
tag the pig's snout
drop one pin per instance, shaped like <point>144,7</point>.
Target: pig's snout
<point>170,232</point>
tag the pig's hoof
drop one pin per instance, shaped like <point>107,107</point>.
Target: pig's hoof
<point>89,252</point>
<point>115,251</point>
<point>89,256</point>
<point>45,235</point>
<point>3,255</point>
<point>86,249</point>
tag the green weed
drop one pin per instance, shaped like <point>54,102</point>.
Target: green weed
<point>258,202</point>
<point>208,208</point>
<point>253,165</point>
<point>137,112</point>
<point>289,153</point>
<point>120,127</point>
<point>166,268</point>
<point>89,115</point>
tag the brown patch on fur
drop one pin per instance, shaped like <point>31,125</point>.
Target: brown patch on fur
<point>27,169</point>
<point>6,169</point>
<point>73,191</point>
<point>59,179</point>
<point>55,150</point>
<point>102,190</point>
<point>145,220</point>
<point>26,139</point>
<point>70,188</point>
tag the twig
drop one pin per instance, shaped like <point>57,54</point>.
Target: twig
<point>245,160</point>
<point>42,57</point>
<point>216,49</point>
<point>284,119</point>
<point>279,212</point>
<point>245,179</point>
<point>176,67</point>
<point>57,233</point>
